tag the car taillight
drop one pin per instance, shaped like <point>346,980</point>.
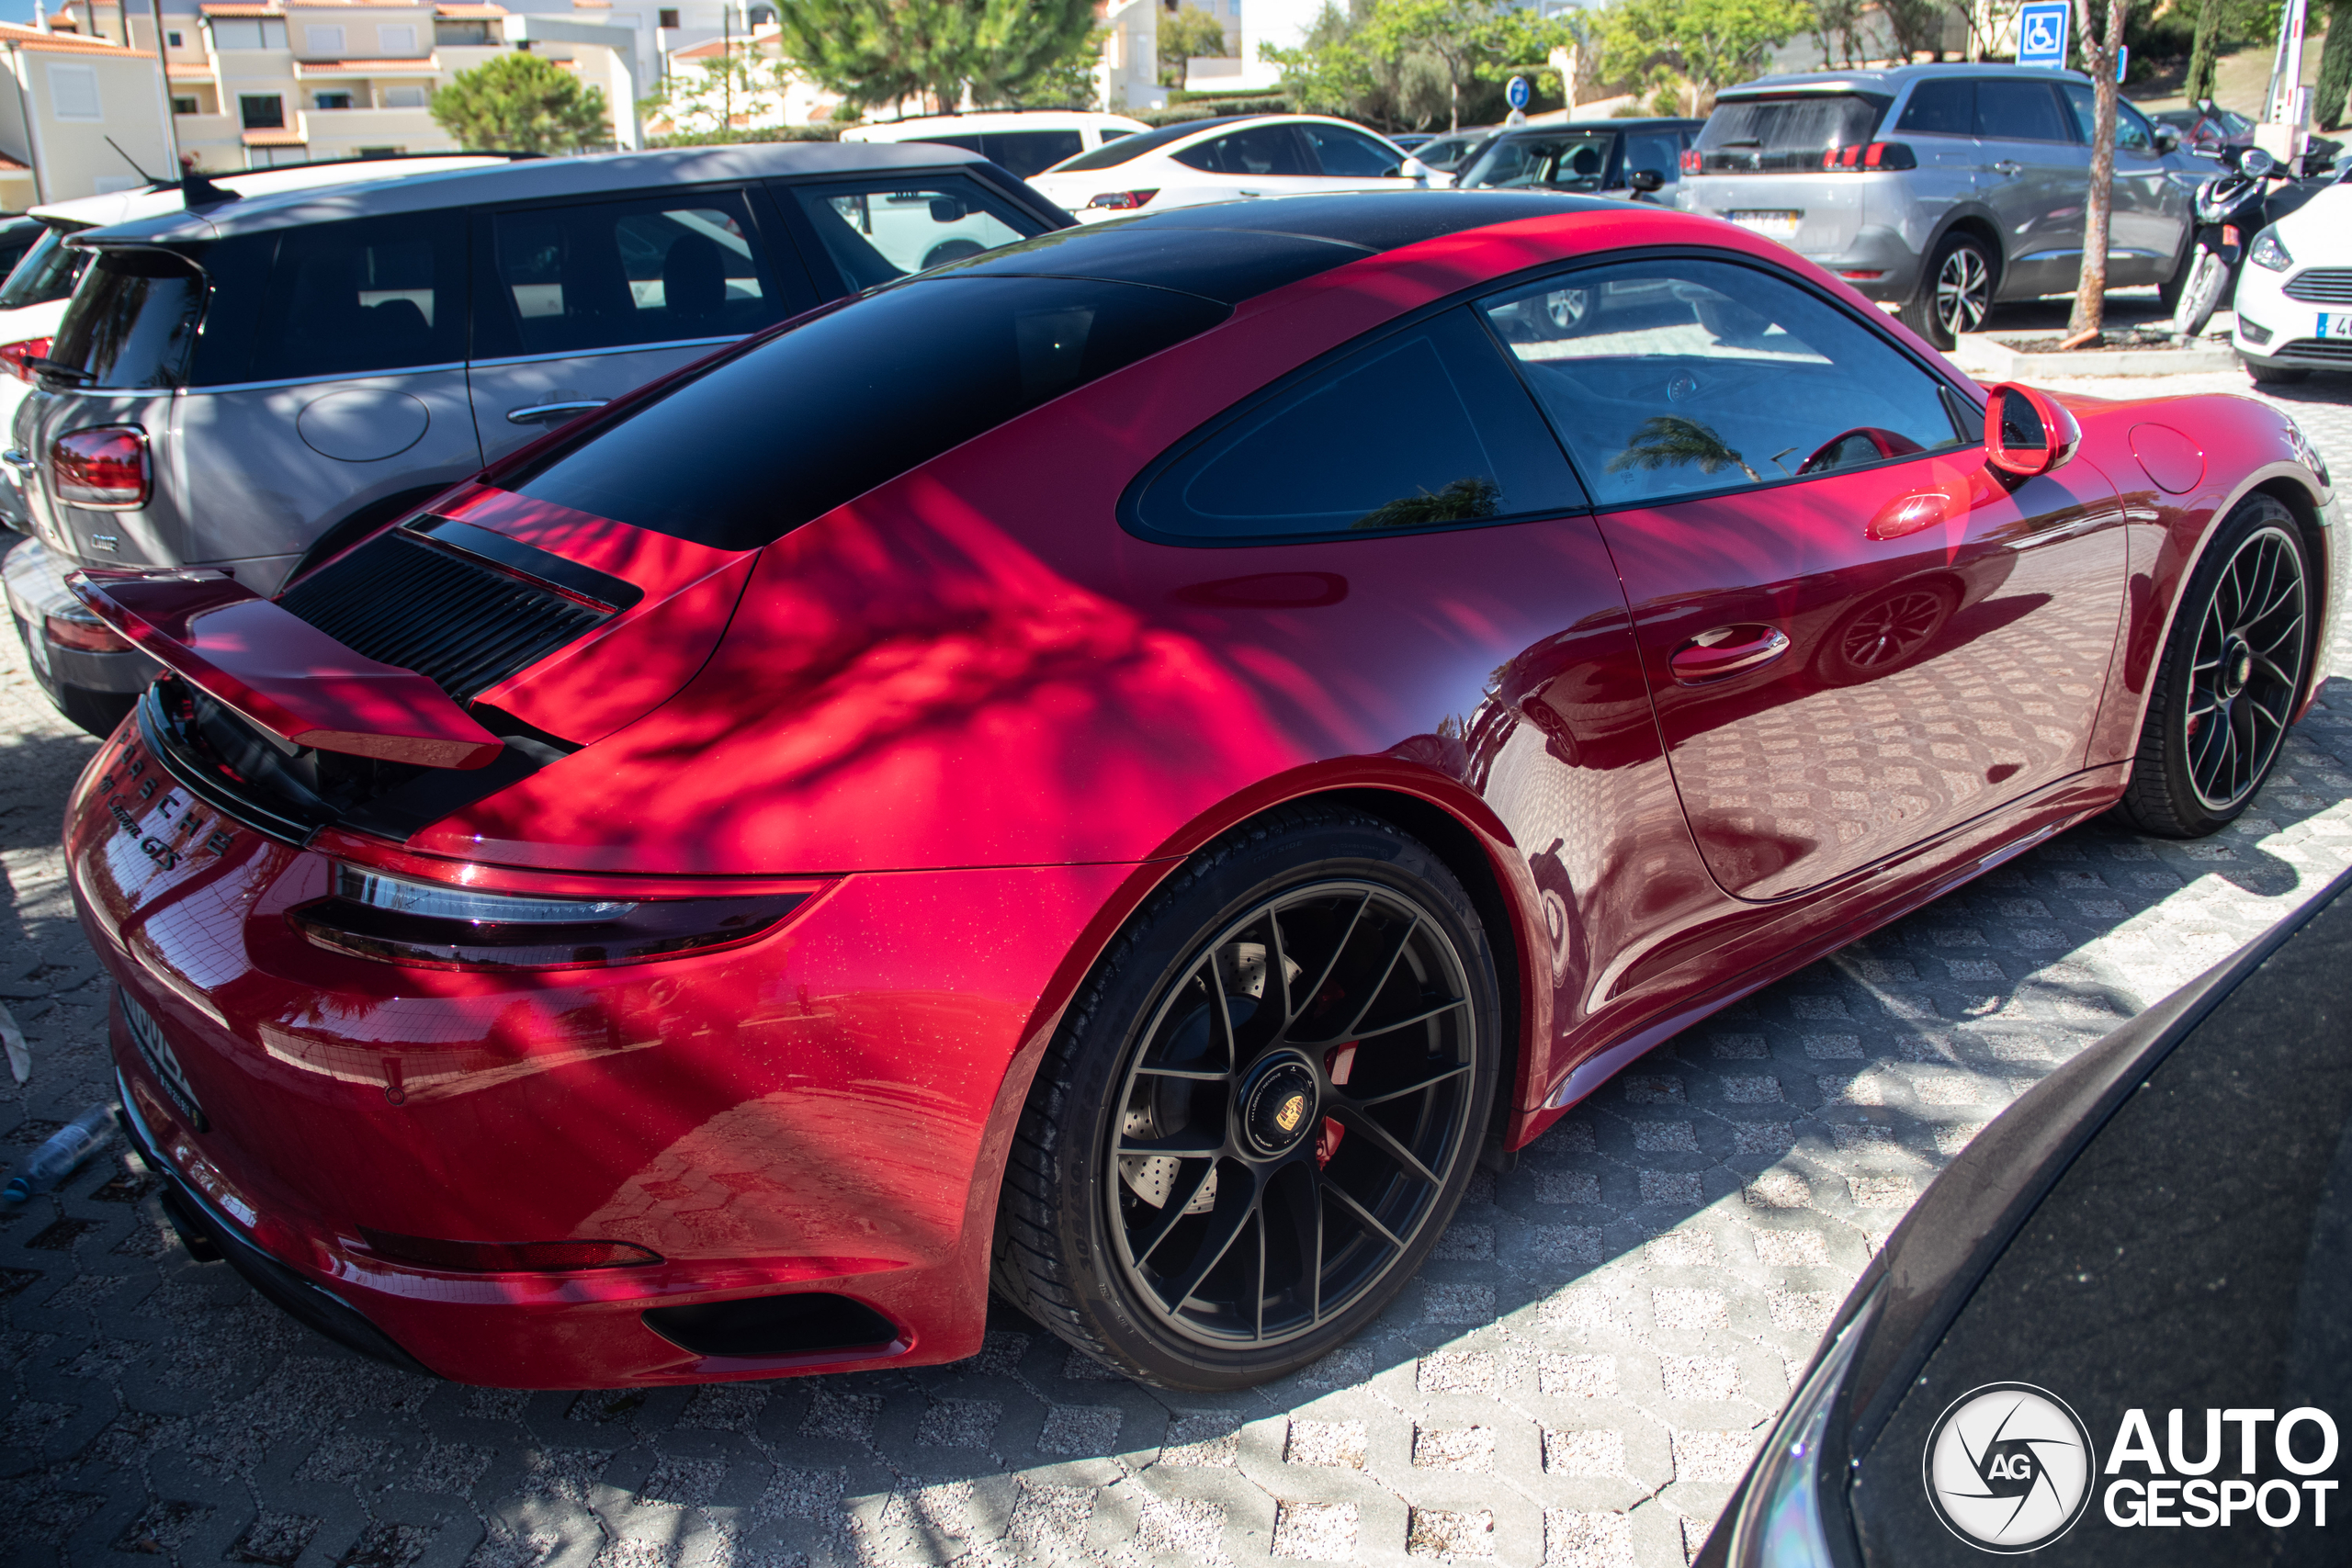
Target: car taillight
<point>104,469</point>
<point>1867,156</point>
<point>88,634</point>
<point>14,355</point>
<point>1122,201</point>
<point>442,926</point>
<point>1689,160</point>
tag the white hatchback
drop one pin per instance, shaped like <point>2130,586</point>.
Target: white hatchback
<point>1225,159</point>
<point>2294,296</point>
<point>1024,141</point>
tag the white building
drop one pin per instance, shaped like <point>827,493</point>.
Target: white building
<point>61,97</point>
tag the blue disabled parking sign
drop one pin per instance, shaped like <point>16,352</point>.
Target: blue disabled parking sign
<point>2041,35</point>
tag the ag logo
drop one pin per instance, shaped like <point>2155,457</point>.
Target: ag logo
<point>2010,1467</point>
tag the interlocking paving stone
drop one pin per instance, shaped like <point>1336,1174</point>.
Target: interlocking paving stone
<point>1596,1347</point>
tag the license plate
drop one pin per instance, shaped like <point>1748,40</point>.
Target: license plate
<point>1781,226</point>
<point>2334,323</point>
<point>162,1061</point>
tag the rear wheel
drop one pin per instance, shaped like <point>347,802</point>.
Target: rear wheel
<point>1954,294</point>
<point>2168,292</point>
<point>2231,673</point>
<point>1262,1108</point>
<point>2273,375</point>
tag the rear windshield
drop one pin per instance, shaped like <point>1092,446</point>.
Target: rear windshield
<point>47,271</point>
<point>1132,145</point>
<point>1768,135</point>
<point>791,428</point>
<point>132,321</point>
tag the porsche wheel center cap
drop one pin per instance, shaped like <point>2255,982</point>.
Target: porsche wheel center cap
<point>1279,1108</point>
<point>2237,666</point>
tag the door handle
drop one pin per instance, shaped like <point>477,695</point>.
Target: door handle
<point>2008,166</point>
<point>550,413</point>
<point>1726,651</point>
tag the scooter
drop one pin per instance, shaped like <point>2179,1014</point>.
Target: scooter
<point>2231,210</point>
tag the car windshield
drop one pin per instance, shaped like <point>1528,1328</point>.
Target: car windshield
<point>1768,135</point>
<point>1446,153</point>
<point>1570,160</point>
<point>47,271</point>
<point>785,431</point>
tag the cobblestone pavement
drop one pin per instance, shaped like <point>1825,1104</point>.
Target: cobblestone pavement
<point>1578,1379</point>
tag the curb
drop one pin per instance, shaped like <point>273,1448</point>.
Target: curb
<point>1981,355</point>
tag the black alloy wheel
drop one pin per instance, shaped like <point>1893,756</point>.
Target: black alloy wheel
<point>1886,633</point>
<point>1955,293</point>
<point>2232,675</point>
<point>1288,1096</point>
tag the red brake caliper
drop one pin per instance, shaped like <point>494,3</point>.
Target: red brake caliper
<point>1338,1062</point>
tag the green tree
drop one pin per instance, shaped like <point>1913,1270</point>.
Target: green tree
<point>2335,69</point>
<point>523,102</point>
<point>1413,63</point>
<point>2200,84</point>
<point>1684,51</point>
<point>875,54</point>
<point>1187,33</point>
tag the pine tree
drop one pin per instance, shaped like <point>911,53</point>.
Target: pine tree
<point>2335,69</point>
<point>523,103</point>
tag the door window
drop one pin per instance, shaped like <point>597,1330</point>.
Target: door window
<point>1027,152</point>
<point>1940,107</point>
<point>2132,132</point>
<point>572,278</point>
<point>1657,149</point>
<point>1255,153</point>
<point>1336,453</point>
<point>2011,110</point>
<point>876,231</point>
<point>351,298</point>
<point>1349,154</point>
<point>1674,377</point>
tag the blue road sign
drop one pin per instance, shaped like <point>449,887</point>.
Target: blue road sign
<point>1515,92</point>
<point>2041,34</point>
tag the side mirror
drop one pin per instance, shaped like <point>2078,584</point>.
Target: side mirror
<point>1410,169</point>
<point>2027,433</point>
<point>1645,180</point>
<point>2167,139</point>
<point>947,210</point>
<point>2257,165</point>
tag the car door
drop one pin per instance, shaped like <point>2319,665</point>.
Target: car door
<point>575,303</point>
<point>859,233</point>
<point>1348,159</point>
<point>2035,176</point>
<point>1938,124</point>
<point>1260,158</point>
<point>1855,634</point>
<point>2149,210</point>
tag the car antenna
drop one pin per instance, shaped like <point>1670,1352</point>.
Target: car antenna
<point>132,161</point>
<point>197,191</point>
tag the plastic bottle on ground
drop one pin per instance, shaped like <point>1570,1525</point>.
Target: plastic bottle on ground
<point>64,1149</point>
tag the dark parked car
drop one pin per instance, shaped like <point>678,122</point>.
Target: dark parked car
<point>2209,127</point>
<point>2121,1307</point>
<point>1606,156</point>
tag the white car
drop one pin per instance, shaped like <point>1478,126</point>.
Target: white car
<point>1025,141</point>
<point>33,300</point>
<point>1221,160</point>
<point>2294,295</point>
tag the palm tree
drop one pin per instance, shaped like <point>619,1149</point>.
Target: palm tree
<point>1666,442</point>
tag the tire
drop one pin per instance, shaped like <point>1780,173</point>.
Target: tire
<point>1954,293</point>
<point>948,250</point>
<point>1569,312</point>
<point>2232,672</point>
<point>2273,375</point>
<point>2201,295</point>
<point>2168,292</point>
<point>1886,633</point>
<point>1130,1186</point>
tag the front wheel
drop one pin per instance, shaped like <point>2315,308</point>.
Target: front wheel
<point>2273,375</point>
<point>1954,294</point>
<point>2231,673</point>
<point>2207,279</point>
<point>1260,1109</point>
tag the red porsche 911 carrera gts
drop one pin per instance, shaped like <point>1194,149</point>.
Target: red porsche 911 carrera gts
<point>1118,771</point>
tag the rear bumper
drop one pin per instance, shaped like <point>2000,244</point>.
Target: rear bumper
<point>36,588</point>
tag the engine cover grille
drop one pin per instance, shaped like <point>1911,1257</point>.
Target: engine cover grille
<point>451,616</point>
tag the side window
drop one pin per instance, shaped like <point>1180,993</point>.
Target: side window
<point>1453,440</point>
<point>1259,152</point>
<point>1657,149</point>
<point>599,275</point>
<point>1674,377</point>
<point>1349,154</point>
<point>876,232</point>
<point>2011,110</point>
<point>1027,152</point>
<point>374,294</point>
<point>2133,133</point>
<point>1944,108</point>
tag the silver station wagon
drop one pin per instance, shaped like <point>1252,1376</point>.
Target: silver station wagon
<point>1943,188</point>
<point>255,381</point>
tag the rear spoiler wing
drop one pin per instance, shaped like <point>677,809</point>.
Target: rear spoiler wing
<point>282,674</point>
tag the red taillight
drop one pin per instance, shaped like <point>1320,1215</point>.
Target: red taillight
<point>14,355</point>
<point>1122,201</point>
<point>505,1257</point>
<point>1862,273</point>
<point>104,469</point>
<point>1866,155</point>
<point>1689,160</point>
<point>87,636</point>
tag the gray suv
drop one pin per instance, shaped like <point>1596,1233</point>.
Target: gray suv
<point>253,382</point>
<point>1942,188</point>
